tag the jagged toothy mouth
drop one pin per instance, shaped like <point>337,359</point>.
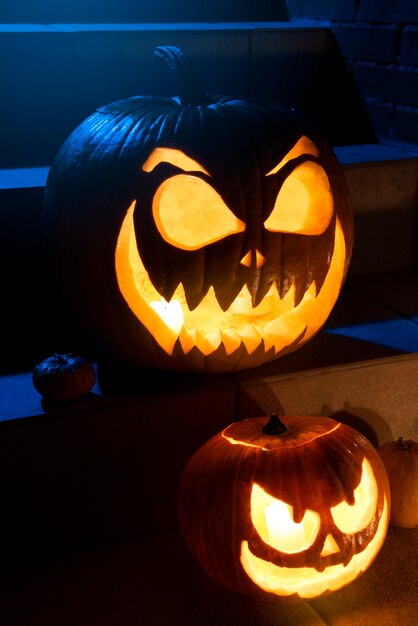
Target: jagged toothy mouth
<point>207,326</point>
<point>306,582</point>
<point>274,324</point>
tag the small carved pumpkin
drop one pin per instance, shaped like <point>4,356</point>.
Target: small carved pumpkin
<point>295,510</point>
<point>400,459</point>
<point>210,233</point>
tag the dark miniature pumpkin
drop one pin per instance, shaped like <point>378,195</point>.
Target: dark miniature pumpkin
<point>63,377</point>
<point>206,233</point>
<point>296,509</point>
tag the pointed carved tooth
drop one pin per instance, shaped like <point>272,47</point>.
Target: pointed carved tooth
<point>269,341</point>
<point>209,299</point>
<point>206,316</point>
<point>167,290</point>
<point>283,331</point>
<point>202,342</point>
<point>194,298</point>
<point>231,340</point>
<point>274,334</point>
<point>275,340</point>
<point>284,286</point>
<point>190,339</point>
<point>288,300</point>
<point>214,339</point>
<point>179,293</point>
<point>250,338</point>
<point>242,304</point>
<point>187,339</point>
<point>312,291</point>
<point>226,295</point>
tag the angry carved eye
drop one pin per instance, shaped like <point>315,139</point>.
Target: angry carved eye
<point>352,518</point>
<point>273,520</point>
<point>304,204</point>
<point>187,211</point>
<point>190,214</point>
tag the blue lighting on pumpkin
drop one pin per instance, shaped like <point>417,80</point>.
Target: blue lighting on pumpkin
<point>401,334</point>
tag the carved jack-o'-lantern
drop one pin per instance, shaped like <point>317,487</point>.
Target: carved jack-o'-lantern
<point>295,510</point>
<point>206,234</point>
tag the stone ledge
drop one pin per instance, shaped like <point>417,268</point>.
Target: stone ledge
<point>157,26</point>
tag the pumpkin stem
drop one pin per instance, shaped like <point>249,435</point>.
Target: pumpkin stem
<point>274,426</point>
<point>189,87</point>
<point>404,444</point>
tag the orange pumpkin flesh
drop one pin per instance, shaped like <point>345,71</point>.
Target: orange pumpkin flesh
<point>401,462</point>
<point>297,514</point>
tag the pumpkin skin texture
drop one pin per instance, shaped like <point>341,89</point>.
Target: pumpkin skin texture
<point>400,459</point>
<point>63,377</point>
<point>206,233</point>
<point>294,515</point>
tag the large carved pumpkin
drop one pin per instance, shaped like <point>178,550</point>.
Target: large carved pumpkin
<point>200,233</point>
<point>294,510</point>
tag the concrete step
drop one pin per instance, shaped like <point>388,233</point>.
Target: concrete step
<point>383,183</point>
<point>53,76</point>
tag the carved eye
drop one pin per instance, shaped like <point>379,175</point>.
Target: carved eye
<point>304,204</point>
<point>354,518</point>
<point>273,520</point>
<point>190,214</point>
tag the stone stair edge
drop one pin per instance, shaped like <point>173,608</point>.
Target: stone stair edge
<point>163,26</point>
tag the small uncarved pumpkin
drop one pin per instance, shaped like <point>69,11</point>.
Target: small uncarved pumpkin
<point>200,232</point>
<point>401,461</point>
<point>296,509</point>
<point>63,377</point>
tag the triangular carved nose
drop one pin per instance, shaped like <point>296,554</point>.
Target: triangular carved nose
<point>248,259</point>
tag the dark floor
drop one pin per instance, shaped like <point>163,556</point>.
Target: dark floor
<point>155,582</point>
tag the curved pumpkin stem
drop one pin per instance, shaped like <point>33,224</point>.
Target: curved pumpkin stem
<point>274,426</point>
<point>189,87</point>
